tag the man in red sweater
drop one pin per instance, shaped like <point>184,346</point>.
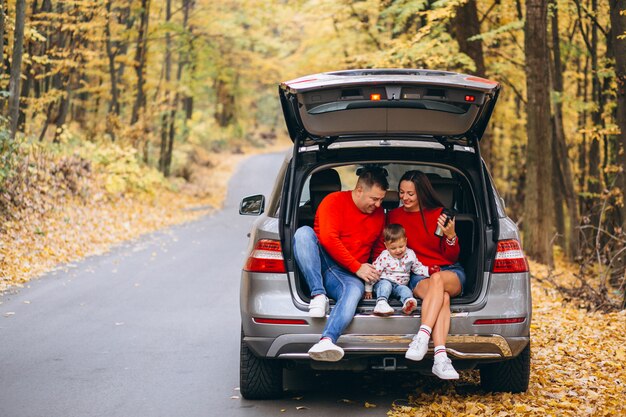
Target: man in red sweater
<point>334,255</point>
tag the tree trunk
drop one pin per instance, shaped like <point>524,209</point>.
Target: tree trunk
<point>126,18</point>
<point>564,170</point>
<point>26,84</point>
<point>188,107</point>
<point>539,201</point>
<point>518,8</point>
<point>66,82</point>
<point>559,195</point>
<point>608,141</point>
<point>182,59</point>
<point>168,71</point>
<point>225,111</point>
<point>2,25</point>
<point>167,165</point>
<point>114,106</point>
<point>140,60</point>
<point>44,129</point>
<point>29,81</point>
<point>466,25</point>
<point>582,90</point>
<point>46,6</point>
<point>618,24</point>
<point>64,109</point>
<point>16,66</point>
<point>187,99</point>
<point>594,178</point>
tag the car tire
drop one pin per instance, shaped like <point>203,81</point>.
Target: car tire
<point>508,376</point>
<point>259,379</point>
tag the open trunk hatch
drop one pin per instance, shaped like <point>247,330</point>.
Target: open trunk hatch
<point>335,106</point>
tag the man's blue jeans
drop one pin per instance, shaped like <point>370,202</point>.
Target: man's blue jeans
<point>324,276</point>
<point>385,288</point>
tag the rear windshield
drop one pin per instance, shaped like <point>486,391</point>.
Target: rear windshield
<point>451,187</point>
<point>348,176</point>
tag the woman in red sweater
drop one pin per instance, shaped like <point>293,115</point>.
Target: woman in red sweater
<point>420,214</point>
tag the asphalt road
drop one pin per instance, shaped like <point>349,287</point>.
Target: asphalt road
<point>152,329</point>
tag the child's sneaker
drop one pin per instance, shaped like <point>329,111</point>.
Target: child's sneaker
<point>383,309</point>
<point>409,306</point>
<point>318,306</point>
<point>417,348</point>
<point>443,369</point>
<point>325,350</point>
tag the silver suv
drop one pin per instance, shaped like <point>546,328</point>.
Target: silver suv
<point>400,120</point>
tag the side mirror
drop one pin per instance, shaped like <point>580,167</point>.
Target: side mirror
<point>253,205</point>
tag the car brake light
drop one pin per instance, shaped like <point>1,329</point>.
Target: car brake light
<point>500,321</point>
<point>375,97</point>
<point>294,322</point>
<point>266,257</point>
<point>306,80</point>
<point>470,98</point>
<point>481,80</point>
<point>509,258</point>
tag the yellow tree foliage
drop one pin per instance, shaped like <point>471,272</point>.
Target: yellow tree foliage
<point>210,78</point>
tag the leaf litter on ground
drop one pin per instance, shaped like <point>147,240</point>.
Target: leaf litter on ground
<point>577,368</point>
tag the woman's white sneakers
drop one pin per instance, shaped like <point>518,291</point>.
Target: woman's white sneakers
<point>325,350</point>
<point>383,309</point>
<point>443,365</point>
<point>417,348</point>
<point>318,306</point>
<point>443,368</point>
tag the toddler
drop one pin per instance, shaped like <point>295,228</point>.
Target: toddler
<point>395,265</point>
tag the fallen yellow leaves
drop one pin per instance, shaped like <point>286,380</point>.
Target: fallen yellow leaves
<point>577,368</point>
<point>73,230</point>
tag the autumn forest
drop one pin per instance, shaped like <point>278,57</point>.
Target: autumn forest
<point>165,82</point>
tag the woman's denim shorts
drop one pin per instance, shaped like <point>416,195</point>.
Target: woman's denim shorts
<point>456,268</point>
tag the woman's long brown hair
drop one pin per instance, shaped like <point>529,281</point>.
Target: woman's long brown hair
<point>426,194</point>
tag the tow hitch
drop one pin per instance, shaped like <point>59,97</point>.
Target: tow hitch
<point>388,364</point>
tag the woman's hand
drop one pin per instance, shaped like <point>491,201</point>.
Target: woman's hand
<point>368,296</point>
<point>448,230</point>
<point>433,269</point>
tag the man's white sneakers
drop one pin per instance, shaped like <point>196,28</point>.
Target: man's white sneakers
<point>443,369</point>
<point>409,306</point>
<point>383,308</point>
<point>318,307</point>
<point>417,348</point>
<point>325,350</point>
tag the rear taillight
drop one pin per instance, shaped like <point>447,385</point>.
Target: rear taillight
<point>294,322</point>
<point>500,321</point>
<point>266,257</point>
<point>509,258</point>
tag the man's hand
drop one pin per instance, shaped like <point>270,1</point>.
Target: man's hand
<point>368,273</point>
<point>368,295</point>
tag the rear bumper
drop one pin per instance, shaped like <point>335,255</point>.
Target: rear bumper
<point>269,296</point>
<point>464,347</point>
